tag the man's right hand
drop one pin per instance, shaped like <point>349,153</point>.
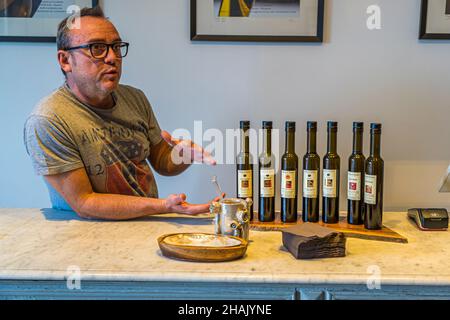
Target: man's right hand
<point>176,203</point>
<point>75,187</point>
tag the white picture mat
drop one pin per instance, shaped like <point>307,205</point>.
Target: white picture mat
<point>36,27</point>
<point>445,183</point>
<point>304,25</point>
<point>437,20</point>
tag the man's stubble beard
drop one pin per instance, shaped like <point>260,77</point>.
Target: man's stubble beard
<point>95,87</point>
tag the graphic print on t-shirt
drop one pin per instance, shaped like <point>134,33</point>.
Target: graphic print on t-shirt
<point>124,173</point>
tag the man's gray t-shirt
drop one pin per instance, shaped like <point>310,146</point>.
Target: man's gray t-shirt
<point>63,134</point>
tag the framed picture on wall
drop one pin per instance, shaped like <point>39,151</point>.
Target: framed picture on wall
<point>257,20</point>
<point>435,19</point>
<point>36,20</point>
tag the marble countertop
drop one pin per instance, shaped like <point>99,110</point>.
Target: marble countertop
<point>44,244</point>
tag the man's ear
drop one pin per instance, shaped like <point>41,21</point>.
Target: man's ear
<point>63,59</point>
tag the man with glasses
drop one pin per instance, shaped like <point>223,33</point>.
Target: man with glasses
<point>93,139</point>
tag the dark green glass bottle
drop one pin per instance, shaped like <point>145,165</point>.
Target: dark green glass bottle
<point>244,172</point>
<point>331,177</point>
<point>266,208</point>
<point>311,176</point>
<point>355,181</point>
<point>373,184</point>
<point>289,177</point>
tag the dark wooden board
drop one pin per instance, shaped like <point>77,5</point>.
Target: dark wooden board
<point>351,231</point>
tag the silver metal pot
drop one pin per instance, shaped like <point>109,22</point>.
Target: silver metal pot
<point>232,217</point>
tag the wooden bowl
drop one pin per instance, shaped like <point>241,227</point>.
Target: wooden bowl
<point>202,247</point>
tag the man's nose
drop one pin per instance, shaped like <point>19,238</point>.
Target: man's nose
<point>111,57</point>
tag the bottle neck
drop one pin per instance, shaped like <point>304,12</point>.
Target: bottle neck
<point>357,141</point>
<point>375,144</point>
<point>267,141</point>
<point>312,141</point>
<point>332,141</point>
<point>290,141</point>
<point>245,141</point>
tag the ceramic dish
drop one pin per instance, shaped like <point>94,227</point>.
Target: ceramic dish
<point>202,247</point>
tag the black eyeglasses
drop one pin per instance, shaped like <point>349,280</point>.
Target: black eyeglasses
<point>99,50</point>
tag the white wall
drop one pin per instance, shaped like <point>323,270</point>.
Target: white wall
<point>385,76</point>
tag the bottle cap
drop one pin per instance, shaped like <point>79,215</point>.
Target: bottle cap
<point>311,125</point>
<point>290,125</point>
<point>267,125</point>
<point>375,127</point>
<point>332,125</point>
<point>358,125</point>
<point>245,124</point>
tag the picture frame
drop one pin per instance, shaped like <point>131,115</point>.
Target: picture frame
<point>35,20</point>
<point>257,20</point>
<point>435,20</point>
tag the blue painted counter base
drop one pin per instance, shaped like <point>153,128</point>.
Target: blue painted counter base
<point>50,290</point>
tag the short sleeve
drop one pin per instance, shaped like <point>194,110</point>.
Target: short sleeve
<point>50,147</point>
<point>154,131</point>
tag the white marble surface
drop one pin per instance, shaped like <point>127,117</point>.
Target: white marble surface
<point>41,244</point>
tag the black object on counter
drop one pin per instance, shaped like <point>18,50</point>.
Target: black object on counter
<point>373,182</point>
<point>430,219</point>
<point>266,174</point>
<point>289,177</point>
<point>311,176</point>
<point>244,167</point>
<point>331,177</point>
<point>312,241</point>
<point>355,181</point>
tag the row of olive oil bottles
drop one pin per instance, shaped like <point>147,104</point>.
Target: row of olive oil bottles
<point>365,177</point>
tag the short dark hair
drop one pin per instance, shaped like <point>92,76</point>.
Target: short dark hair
<point>63,35</point>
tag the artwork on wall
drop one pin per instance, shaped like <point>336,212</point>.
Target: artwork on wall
<point>257,20</point>
<point>36,20</point>
<point>435,19</point>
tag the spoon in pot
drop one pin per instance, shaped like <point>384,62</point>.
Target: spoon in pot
<point>216,184</point>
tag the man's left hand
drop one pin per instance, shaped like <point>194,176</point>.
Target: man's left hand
<point>187,148</point>
<point>176,203</point>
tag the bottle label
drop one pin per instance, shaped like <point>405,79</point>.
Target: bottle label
<point>245,183</point>
<point>354,186</point>
<point>370,189</point>
<point>310,183</point>
<point>329,183</point>
<point>267,183</point>
<point>288,182</point>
